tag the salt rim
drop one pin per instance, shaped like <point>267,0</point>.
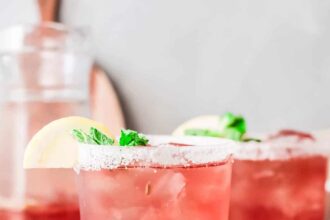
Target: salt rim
<point>160,154</point>
<point>280,151</point>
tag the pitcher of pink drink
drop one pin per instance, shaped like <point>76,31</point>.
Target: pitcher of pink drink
<point>44,75</point>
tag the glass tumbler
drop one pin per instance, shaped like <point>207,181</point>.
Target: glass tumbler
<point>279,180</point>
<point>171,178</point>
<point>44,75</point>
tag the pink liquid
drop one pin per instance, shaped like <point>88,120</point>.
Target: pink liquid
<point>50,212</point>
<point>279,189</point>
<point>51,195</point>
<point>53,191</point>
<point>198,192</point>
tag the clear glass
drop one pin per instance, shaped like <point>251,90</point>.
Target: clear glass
<point>170,179</point>
<point>44,75</point>
<point>279,181</point>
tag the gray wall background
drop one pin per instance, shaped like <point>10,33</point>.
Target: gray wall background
<point>18,12</point>
<point>172,60</point>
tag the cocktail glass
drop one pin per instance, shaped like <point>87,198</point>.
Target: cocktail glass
<point>173,178</point>
<point>279,180</point>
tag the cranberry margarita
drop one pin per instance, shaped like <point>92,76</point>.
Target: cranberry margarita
<point>66,211</point>
<point>281,177</point>
<point>161,181</point>
<point>45,201</point>
<point>279,180</point>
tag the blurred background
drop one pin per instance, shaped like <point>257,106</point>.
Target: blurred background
<point>172,60</point>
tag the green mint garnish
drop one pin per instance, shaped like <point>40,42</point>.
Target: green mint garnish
<point>100,138</point>
<point>251,139</point>
<point>94,137</point>
<point>127,137</point>
<point>233,134</point>
<point>203,132</point>
<point>231,121</point>
<point>132,138</point>
<point>82,137</point>
<point>230,126</point>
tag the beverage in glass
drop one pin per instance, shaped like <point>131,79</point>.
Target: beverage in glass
<point>279,180</point>
<point>172,178</point>
<point>44,74</point>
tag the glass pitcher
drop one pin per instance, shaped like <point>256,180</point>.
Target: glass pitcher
<point>44,75</point>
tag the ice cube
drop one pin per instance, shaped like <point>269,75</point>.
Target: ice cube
<point>169,186</point>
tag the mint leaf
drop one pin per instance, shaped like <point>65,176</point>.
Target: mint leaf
<point>232,126</point>
<point>132,138</point>
<point>229,120</point>
<point>233,134</point>
<point>82,137</point>
<point>100,138</point>
<point>79,135</point>
<point>94,137</point>
<point>202,132</point>
<point>248,139</point>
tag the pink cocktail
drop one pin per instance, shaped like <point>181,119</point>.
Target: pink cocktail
<point>45,201</point>
<point>279,181</point>
<point>49,212</point>
<point>161,181</point>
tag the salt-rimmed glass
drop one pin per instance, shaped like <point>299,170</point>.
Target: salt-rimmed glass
<point>279,180</point>
<point>167,180</point>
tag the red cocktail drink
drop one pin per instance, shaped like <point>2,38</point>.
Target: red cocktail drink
<point>162,181</point>
<point>278,181</point>
<point>44,201</point>
<point>50,212</point>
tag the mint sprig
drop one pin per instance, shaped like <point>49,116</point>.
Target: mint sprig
<point>100,138</point>
<point>229,121</point>
<point>132,138</point>
<point>230,126</point>
<point>202,132</point>
<point>127,137</point>
<point>93,137</point>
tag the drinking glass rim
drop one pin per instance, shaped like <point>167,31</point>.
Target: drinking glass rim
<point>160,154</point>
<point>78,32</point>
<point>268,150</point>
